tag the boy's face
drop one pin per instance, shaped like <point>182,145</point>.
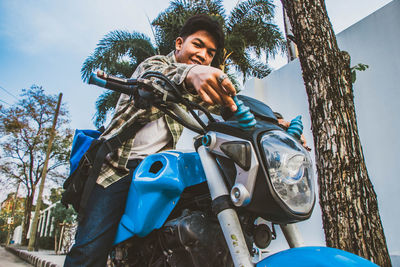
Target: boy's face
<point>197,48</point>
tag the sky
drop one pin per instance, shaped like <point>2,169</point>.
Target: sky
<point>45,42</point>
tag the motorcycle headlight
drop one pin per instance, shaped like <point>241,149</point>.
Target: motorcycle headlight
<point>290,170</point>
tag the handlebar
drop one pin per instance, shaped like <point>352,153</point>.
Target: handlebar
<point>162,90</point>
<point>93,79</point>
<point>108,83</point>
<point>157,93</point>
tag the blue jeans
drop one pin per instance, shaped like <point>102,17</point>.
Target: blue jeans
<point>95,234</point>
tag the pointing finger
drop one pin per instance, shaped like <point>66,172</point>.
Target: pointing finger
<point>228,102</point>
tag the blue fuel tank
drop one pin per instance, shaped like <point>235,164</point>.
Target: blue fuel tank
<point>157,184</point>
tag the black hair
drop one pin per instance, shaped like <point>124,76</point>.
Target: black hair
<point>278,115</point>
<point>206,23</point>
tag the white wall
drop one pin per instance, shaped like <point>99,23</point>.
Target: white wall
<point>373,41</point>
<point>17,236</point>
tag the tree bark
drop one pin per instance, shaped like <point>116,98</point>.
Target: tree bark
<point>27,217</point>
<point>349,205</point>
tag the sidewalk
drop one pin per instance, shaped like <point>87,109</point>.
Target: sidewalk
<point>48,258</point>
<point>41,258</point>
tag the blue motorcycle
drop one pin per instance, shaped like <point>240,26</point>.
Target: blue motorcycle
<point>202,208</point>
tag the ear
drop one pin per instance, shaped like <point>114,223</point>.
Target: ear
<point>178,43</point>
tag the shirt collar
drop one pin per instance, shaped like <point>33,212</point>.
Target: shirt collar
<point>171,56</point>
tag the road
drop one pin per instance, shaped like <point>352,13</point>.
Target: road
<point>7,259</point>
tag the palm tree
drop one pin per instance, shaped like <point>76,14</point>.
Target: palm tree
<point>249,32</point>
<point>250,35</point>
<point>118,53</point>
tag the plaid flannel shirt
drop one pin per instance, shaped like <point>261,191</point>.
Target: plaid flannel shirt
<point>126,114</point>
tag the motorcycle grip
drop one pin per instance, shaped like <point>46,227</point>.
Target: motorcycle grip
<point>125,89</point>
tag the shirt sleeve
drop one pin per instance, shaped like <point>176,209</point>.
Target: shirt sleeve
<point>166,65</point>
<point>174,71</point>
<point>177,73</point>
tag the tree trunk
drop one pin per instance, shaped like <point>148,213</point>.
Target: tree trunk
<point>27,218</point>
<point>349,206</point>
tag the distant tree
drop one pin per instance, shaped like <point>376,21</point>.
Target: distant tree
<point>60,213</point>
<point>11,207</point>
<point>4,227</point>
<point>250,37</point>
<point>349,205</point>
<point>24,131</point>
<point>63,215</point>
<point>55,194</point>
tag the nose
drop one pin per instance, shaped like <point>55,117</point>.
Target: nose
<point>202,55</point>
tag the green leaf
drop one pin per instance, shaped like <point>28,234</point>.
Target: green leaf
<point>359,67</point>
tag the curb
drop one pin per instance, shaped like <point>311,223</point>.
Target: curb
<point>35,261</point>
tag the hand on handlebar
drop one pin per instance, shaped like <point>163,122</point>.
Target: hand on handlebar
<point>204,79</point>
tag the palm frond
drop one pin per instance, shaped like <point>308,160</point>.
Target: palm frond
<point>252,34</point>
<point>110,51</point>
<point>105,103</point>
<point>261,37</point>
<point>249,66</point>
<point>263,9</point>
<point>118,53</point>
<point>169,22</point>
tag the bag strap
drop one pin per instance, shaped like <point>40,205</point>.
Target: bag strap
<point>105,148</point>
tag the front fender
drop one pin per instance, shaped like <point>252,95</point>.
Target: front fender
<point>314,256</point>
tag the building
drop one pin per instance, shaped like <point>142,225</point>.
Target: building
<point>373,41</point>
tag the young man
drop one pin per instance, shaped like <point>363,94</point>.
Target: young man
<point>189,68</point>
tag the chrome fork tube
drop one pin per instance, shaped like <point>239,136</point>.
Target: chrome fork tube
<point>292,235</point>
<point>227,218</point>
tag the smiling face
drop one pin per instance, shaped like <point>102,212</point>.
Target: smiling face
<point>197,48</point>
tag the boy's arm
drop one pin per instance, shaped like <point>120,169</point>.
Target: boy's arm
<point>194,79</point>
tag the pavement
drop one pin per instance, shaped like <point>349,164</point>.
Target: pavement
<point>48,258</point>
<point>41,258</point>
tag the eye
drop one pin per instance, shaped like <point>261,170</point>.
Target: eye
<point>198,45</point>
